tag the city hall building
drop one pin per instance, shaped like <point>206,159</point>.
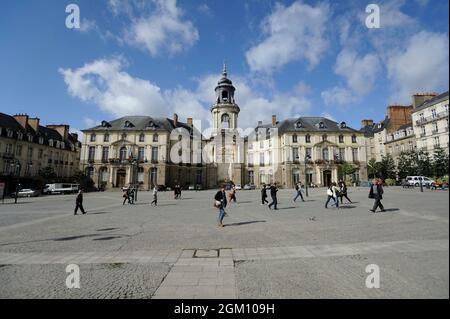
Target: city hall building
<point>166,151</point>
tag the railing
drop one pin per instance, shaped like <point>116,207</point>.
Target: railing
<point>428,119</point>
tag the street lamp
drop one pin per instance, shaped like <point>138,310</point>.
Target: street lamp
<point>307,158</point>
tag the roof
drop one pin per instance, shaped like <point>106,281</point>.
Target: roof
<point>139,123</point>
<point>9,122</point>
<point>435,100</point>
<point>309,124</point>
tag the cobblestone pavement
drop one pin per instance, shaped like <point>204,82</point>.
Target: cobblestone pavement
<point>176,251</point>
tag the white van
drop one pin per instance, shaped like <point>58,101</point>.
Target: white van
<point>415,180</point>
<point>61,188</point>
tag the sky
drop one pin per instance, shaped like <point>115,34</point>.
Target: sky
<point>159,57</point>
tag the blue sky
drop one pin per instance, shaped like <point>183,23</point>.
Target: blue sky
<point>154,57</point>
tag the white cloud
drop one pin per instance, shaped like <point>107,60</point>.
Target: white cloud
<point>105,84</point>
<point>206,10</point>
<point>423,65</point>
<point>162,31</point>
<point>328,116</point>
<point>87,25</point>
<point>89,122</point>
<point>292,33</point>
<point>338,96</point>
<point>359,72</point>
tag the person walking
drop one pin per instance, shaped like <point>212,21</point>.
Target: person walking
<point>298,189</point>
<point>343,192</point>
<point>331,194</point>
<point>233,193</point>
<point>79,203</point>
<point>126,197</point>
<point>220,202</point>
<point>273,195</point>
<point>336,194</point>
<point>264,195</point>
<point>155,196</point>
<point>376,192</point>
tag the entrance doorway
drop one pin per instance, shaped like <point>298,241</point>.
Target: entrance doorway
<point>326,178</point>
<point>120,178</point>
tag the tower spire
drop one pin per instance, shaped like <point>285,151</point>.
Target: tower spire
<point>224,71</point>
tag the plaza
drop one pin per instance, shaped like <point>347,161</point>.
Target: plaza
<point>176,250</point>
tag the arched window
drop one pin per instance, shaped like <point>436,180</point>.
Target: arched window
<point>224,95</point>
<point>141,137</point>
<point>325,154</point>
<point>123,153</point>
<point>225,121</point>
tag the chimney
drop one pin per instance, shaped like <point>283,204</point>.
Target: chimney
<point>274,120</point>
<point>22,119</point>
<point>398,115</point>
<point>62,129</point>
<point>366,122</point>
<point>34,123</point>
<point>189,121</point>
<point>419,98</point>
<point>259,123</point>
<point>175,119</point>
<point>75,136</point>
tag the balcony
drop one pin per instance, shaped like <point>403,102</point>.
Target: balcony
<point>423,134</point>
<point>8,155</point>
<point>429,119</point>
<point>435,131</point>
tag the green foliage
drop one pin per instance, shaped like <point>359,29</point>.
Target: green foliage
<point>407,164</point>
<point>85,181</point>
<point>440,162</point>
<point>387,167</point>
<point>48,174</point>
<point>390,182</point>
<point>373,168</point>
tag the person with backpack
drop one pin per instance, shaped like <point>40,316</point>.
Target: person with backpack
<point>298,190</point>
<point>273,195</point>
<point>264,195</point>
<point>376,192</point>
<point>220,202</point>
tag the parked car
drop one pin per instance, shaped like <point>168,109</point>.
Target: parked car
<point>249,186</point>
<point>191,187</point>
<point>415,181</point>
<point>26,192</point>
<point>238,187</point>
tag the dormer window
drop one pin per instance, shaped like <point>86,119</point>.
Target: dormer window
<point>343,125</point>
<point>10,133</point>
<point>41,140</point>
<point>299,124</point>
<point>321,125</point>
<point>105,124</point>
<point>128,124</point>
<point>19,136</point>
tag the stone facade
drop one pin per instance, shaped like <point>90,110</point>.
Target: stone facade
<point>26,147</point>
<point>430,121</point>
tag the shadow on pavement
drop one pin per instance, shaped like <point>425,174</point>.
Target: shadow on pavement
<point>391,209</point>
<point>245,223</point>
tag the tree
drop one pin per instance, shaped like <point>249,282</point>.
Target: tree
<point>424,165</point>
<point>387,167</point>
<point>347,169</point>
<point>440,162</point>
<point>373,168</point>
<point>47,173</point>
<point>85,181</point>
<point>406,165</point>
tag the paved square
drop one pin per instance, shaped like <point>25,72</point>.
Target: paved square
<point>176,250</point>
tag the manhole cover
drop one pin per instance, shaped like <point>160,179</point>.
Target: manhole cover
<point>206,253</point>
